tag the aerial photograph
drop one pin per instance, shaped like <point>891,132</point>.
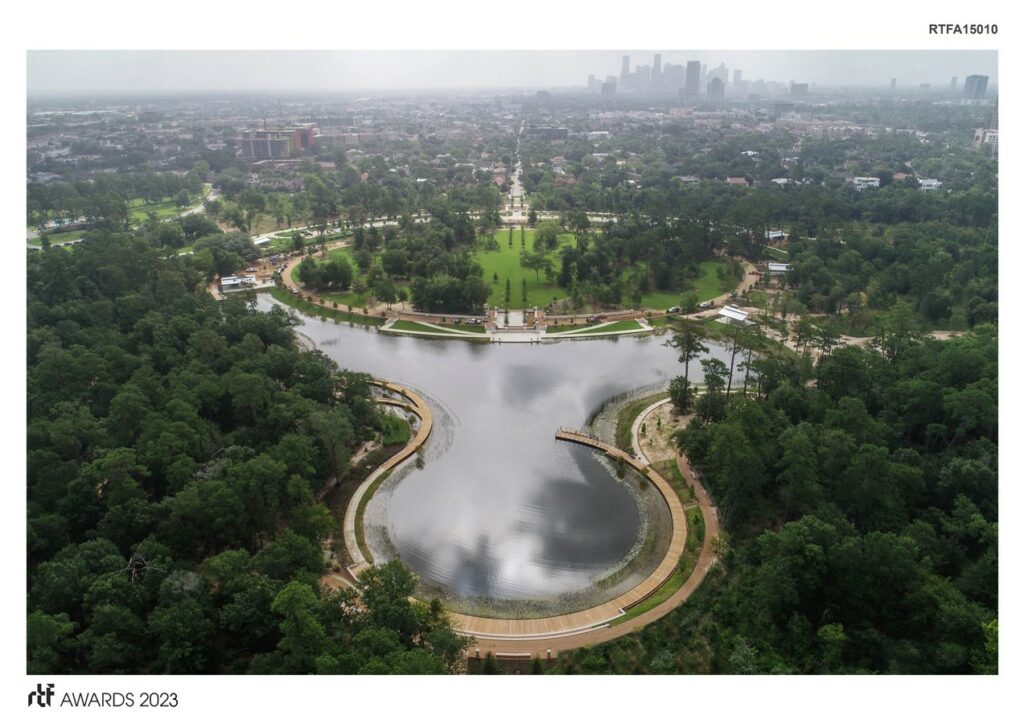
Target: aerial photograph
<point>533,362</point>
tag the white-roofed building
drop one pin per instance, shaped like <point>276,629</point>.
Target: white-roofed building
<point>732,315</point>
<point>776,267</point>
<point>228,284</point>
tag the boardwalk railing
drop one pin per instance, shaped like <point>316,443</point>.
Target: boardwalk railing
<point>583,438</point>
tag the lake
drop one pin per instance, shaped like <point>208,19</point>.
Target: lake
<point>503,518</point>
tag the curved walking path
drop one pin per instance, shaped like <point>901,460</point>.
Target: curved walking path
<point>546,636</point>
<point>550,646</point>
<point>417,406</point>
<point>634,431</point>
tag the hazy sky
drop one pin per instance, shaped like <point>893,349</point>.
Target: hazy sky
<point>308,70</point>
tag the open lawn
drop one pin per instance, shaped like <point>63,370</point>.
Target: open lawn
<point>62,237</point>
<point>625,325</point>
<point>139,210</point>
<point>475,328</point>
<point>540,291</point>
<point>406,325</point>
<point>505,263</point>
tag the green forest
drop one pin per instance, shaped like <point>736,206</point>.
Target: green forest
<point>175,446</point>
<point>860,497</point>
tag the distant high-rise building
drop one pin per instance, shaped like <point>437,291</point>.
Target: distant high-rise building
<point>952,83</point>
<point>892,84</point>
<point>692,87</point>
<point>716,90</point>
<point>974,87</point>
<point>797,89</point>
<point>703,75</point>
<point>624,73</point>
<point>721,72</point>
<point>277,143</point>
<point>656,71</point>
<point>593,84</point>
<point>267,145</point>
<point>642,77</point>
<point>737,77</point>
<point>994,123</point>
<point>673,77</point>
<point>608,87</point>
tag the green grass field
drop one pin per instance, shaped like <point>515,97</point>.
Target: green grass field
<point>139,210</point>
<point>625,325</point>
<point>540,291</point>
<point>405,325</point>
<point>475,328</point>
<point>62,237</point>
<point>505,263</point>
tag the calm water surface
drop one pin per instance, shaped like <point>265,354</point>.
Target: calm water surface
<point>502,510</point>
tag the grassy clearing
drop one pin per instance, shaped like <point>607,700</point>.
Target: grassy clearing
<point>361,508</point>
<point>625,325</point>
<point>669,469</point>
<point>628,413</point>
<point>473,328</point>
<point>397,430</point>
<point>61,237</point>
<point>405,325</point>
<point>139,210</point>
<point>540,291</point>
<point>559,328</point>
<point>674,582</point>
<point>694,533</point>
<point>708,285</point>
<point>315,310</point>
<point>505,263</point>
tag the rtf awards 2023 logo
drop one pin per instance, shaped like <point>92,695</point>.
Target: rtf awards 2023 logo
<point>41,697</point>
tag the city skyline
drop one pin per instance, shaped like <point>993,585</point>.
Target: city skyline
<point>149,71</point>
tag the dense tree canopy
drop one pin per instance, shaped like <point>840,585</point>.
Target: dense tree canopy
<point>863,520</point>
<point>175,445</point>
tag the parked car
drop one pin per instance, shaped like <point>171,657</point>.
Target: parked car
<point>672,310</point>
<point>704,305</point>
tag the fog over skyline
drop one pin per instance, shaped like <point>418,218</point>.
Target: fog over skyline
<point>154,71</point>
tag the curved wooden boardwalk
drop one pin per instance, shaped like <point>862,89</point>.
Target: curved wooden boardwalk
<point>500,629</point>
<point>546,636</point>
<point>415,405</point>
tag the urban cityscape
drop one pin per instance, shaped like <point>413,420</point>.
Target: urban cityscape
<point>679,370</point>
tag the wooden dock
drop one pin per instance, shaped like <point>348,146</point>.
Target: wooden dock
<point>415,404</point>
<point>529,629</point>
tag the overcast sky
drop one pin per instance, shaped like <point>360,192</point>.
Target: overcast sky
<point>244,71</point>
